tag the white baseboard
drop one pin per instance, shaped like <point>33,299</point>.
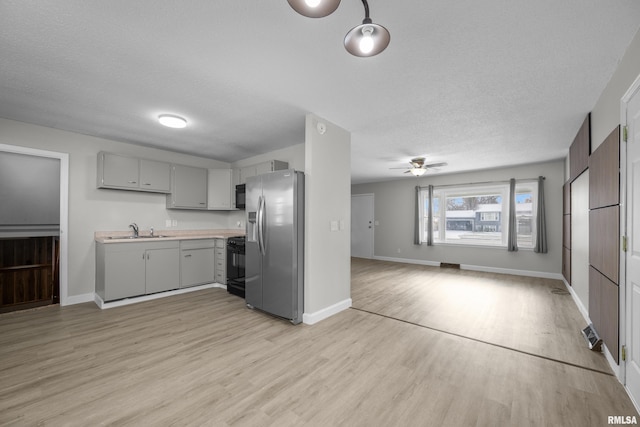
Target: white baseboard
<point>581,308</point>
<point>407,261</point>
<point>127,301</point>
<point>528,273</point>
<point>77,299</point>
<point>311,318</point>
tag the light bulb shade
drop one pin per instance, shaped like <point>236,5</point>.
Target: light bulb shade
<point>314,8</point>
<point>172,121</point>
<point>418,171</point>
<point>354,43</point>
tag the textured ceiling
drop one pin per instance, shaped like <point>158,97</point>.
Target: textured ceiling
<point>474,84</point>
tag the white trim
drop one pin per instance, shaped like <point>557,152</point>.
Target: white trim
<point>79,299</point>
<point>527,273</point>
<point>407,261</point>
<point>128,301</point>
<point>581,308</point>
<point>621,369</point>
<point>612,363</point>
<point>312,318</point>
<point>64,213</point>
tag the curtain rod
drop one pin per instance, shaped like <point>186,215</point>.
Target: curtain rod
<point>481,183</point>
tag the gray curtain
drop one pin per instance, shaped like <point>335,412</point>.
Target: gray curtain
<point>512,236</point>
<point>430,217</point>
<point>541,222</point>
<point>416,223</point>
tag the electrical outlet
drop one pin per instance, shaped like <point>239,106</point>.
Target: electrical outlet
<point>174,222</point>
<point>167,223</point>
<point>399,250</point>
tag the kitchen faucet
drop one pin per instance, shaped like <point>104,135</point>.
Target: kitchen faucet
<point>135,229</point>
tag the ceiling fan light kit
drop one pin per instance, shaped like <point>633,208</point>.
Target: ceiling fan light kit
<point>419,168</point>
<point>367,39</point>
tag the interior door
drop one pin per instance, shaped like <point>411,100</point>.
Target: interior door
<point>362,223</point>
<point>632,369</point>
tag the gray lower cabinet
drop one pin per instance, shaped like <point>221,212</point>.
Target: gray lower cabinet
<point>197,262</point>
<point>221,261</point>
<point>126,270</point>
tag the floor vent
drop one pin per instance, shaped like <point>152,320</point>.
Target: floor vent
<point>448,265</point>
<point>593,340</point>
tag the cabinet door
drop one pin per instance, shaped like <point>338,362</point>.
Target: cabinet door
<point>155,176</point>
<point>117,171</point>
<point>162,270</point>
<point>197,266</point>
<point>124,272</point>
<point>188,187</point>
<point>219,189</point>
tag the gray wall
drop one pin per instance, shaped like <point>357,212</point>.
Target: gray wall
<point>394,214</point>
<point>91,209</point>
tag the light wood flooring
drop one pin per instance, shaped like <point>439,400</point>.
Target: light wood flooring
<point>204,359</point>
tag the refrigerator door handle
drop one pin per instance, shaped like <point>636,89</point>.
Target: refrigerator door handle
<point>261,245</point>
<point>263,249</point>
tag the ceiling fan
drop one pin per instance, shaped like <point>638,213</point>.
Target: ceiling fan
<point>418,168</point>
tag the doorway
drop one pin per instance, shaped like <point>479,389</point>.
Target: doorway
<point>61,244</point>
<point>362,225</point>
<point>630,293</point>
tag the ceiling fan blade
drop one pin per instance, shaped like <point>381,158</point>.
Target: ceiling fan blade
<point>399,168</point>
<point>435,165</point>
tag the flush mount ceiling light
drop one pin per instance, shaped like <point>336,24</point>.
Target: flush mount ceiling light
<point>368,39</point>
<point>172,121</point>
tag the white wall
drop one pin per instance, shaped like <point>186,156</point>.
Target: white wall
<point>605,115</point>
<point>580,238</point>
<point>91,209</point>
<point>328,199</point>
<point>394,214</point>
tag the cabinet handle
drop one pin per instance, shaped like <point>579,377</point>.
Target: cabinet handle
<point>202,203</point>
<point>187,256</point>
<point>131,182</point>
<point>146,183</point>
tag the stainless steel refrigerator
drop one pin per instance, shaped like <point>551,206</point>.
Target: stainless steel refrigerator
<point>274,257</point>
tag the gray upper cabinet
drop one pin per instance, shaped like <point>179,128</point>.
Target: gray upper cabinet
<point>188,188</point>
<point>130,173</point>
<point>115,171</point>
<point>155,176</point>
<point>220,188</point>
<point>261,168</point>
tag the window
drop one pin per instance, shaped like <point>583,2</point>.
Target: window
<point>478,215</point>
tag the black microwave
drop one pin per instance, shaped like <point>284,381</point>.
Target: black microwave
<point>240,196</point>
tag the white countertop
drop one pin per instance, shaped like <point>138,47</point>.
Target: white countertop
<point>125,236</point>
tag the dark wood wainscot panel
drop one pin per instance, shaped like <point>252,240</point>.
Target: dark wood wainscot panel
<point>604,172</point>
<point>566,198</point>
<point>604,251</point>
<point>604,310</point>
<point>580,150</point>
<point>566,264</point>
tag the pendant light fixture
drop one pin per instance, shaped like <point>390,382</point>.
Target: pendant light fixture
<point>368,39</point>
<point>314,8</point>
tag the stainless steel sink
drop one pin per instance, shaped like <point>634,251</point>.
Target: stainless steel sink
<point>159,236</point>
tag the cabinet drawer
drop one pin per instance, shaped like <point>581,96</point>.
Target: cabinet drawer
<point>220,278</point>
<point>221,253</point>
<point>221,243</point>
